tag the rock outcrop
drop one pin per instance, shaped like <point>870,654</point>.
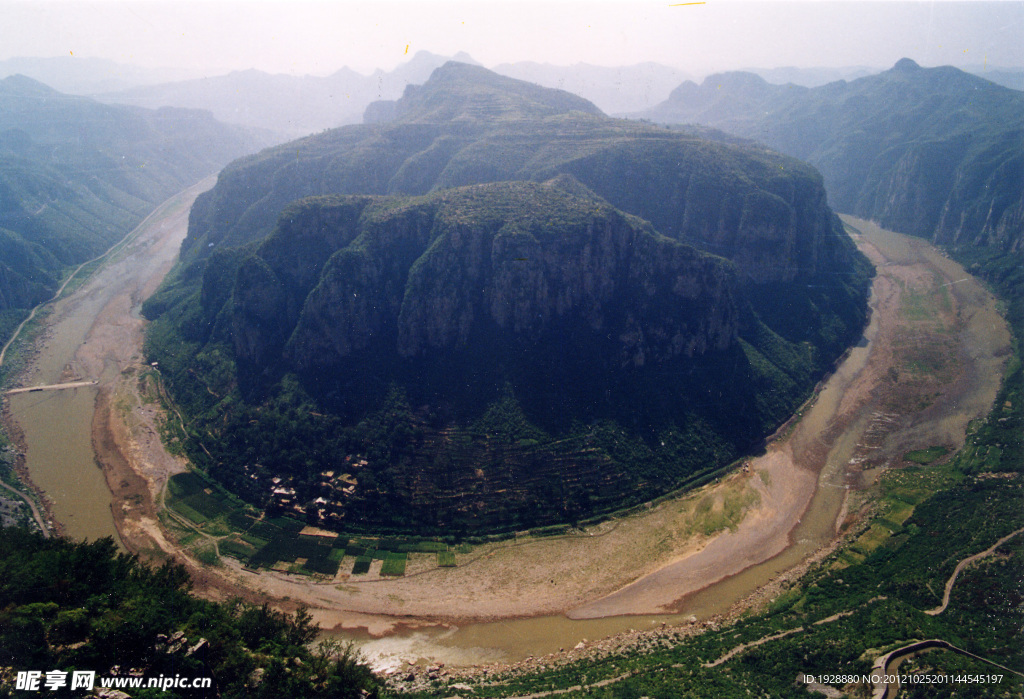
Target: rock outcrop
<point>508,264</point>
<point>766,212</point>
<point>517,311</point>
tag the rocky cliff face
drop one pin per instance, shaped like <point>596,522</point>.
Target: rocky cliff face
<point>519,310</point>
<point>508,265</point>
<point>766,212</point>
<point>773,221</point>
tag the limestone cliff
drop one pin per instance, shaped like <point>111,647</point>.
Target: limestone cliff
<point>518,310</point>
<point>766,212</point>
<point>509,265</point>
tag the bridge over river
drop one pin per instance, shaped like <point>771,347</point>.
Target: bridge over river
<point>50,387</point>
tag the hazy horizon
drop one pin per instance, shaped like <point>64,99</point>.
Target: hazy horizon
<point>320,38</point>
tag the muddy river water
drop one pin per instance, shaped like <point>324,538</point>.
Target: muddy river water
<point>56,426</point>
<point>60,458</point>
<point>845,430</point>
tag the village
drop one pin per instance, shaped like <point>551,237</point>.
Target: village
<point>332,490</point>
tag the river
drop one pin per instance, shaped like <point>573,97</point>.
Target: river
<point>816,454</point>
<point>513,640</point>
<point>56,426</point>
<point>844,430</point>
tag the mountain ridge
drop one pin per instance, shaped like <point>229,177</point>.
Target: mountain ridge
<point>521,311</point>
<point>410,156</point>
<point>77,175</point>
<point>935,152</point>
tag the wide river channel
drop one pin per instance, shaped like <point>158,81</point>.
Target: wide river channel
<point>56,427</point>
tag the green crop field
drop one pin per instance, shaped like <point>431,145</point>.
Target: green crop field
<point>185,511</point>
<point>209,505</point>
<point>394,564</point>
<point>237,549</point>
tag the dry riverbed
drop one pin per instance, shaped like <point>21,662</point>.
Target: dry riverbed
<point>649,563</point>
<point>933,363</point>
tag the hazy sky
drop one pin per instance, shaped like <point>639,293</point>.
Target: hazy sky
<point>321,37</point>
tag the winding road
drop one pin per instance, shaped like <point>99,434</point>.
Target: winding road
<point>884,664</point>
<point>963,564</point>
<point>35,510</point>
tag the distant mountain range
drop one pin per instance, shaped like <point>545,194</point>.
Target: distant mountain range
<point>76,175</point>
<point>289,105</point>
<point>299,105</point>
<point>89,76</point>
<point>934,152</point>
<point>295,106</point>
<point>614,90</point>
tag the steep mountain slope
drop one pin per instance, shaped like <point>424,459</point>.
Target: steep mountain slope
<point>933,152</point>
<point>76,175</point>
<point>467,125</point>
<point>522,312</point>
<point>503,266</point>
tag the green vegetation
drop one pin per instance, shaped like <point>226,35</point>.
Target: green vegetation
<point>724,511</point>
<point>84,606</point>
<point>536,250</point>
<point>885,590</point>
<point>64,198</point>
<point>926,456</point>
<point>537,431</point>
<point>929,517</point>
<point>394,564</point>
<point>445,559</point>
<point>933,152</point>
<point>213,514</point>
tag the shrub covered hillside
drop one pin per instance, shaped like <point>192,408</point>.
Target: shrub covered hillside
<point>76,176</point>
<point>501,308</point>
<point>83,606</point>
<point>933,152</point>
